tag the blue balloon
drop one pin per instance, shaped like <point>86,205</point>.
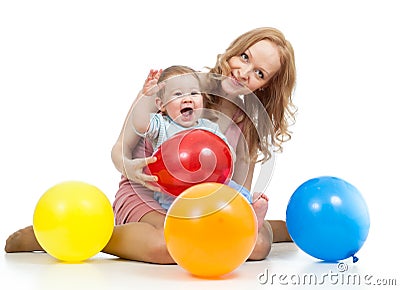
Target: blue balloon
<point>328,218</point>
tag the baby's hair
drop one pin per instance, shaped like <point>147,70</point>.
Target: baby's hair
<point>174,71</point>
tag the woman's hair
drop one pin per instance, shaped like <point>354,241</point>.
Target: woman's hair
<point>275,96</point>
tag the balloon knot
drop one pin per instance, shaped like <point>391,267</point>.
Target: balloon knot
<point>355,259</point>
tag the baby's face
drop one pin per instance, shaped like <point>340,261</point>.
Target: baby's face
<point>182,100</point>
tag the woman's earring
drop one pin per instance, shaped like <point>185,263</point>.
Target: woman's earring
<point>261,89</point>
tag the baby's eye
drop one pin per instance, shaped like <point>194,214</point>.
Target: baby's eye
<point>194,93</point>
<point>244,56</point>
<point>259,73</point>
<point>178,94</point>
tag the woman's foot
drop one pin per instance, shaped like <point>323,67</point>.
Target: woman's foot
<point>23,240</point>
<point>280,231</point>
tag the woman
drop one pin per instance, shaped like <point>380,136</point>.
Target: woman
<point>261,60</point>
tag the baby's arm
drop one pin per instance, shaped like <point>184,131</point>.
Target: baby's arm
<point>122,151</point>
<point>146,103</point>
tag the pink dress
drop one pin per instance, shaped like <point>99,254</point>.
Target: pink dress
<point>133,201</point>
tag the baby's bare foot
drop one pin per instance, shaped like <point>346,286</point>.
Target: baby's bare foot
<point>23,240</point>
<point>260,206</point>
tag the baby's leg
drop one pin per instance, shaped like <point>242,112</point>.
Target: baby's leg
<point>260,206</point>
<point>278,227</point>
<point>268,231</point>
<point>23,240</point>
<point>264,237</point>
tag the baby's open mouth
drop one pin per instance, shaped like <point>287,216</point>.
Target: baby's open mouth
<point>187,111</point>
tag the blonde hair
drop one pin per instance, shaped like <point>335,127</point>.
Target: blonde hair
<point>172,71</point>
<point>275,96</point>
<point>178,70</point>
<point>175,70</point>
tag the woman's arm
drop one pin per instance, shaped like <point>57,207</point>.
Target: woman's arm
<point>127,140</point>
<point>122,151</point>
<point>125,161</point>
<point>243,168</point>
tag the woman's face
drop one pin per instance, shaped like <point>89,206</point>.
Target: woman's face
<point>253,68</point>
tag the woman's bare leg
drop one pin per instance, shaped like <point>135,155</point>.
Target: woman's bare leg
<point>280,231</point>
<point>141,241</point>
<point>144,240</point>
<point>23,240</point>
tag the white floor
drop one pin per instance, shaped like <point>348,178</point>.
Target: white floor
<point>283,269</point>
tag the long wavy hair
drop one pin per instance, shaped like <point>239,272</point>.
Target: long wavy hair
<point>275,96</point>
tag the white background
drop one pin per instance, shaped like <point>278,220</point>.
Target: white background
<point>69,71</point>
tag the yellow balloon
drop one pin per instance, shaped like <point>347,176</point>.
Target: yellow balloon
<point>210,229</point>
<point>73,221</point>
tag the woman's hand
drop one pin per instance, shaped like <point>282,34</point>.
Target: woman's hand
<point>133,169</point>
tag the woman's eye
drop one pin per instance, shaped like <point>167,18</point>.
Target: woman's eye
<point>244,56</point>
<point>260,74</point>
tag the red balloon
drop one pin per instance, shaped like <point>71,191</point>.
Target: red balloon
<point>191,157</point>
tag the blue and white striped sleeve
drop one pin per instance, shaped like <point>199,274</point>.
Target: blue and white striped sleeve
<point>154,127</point>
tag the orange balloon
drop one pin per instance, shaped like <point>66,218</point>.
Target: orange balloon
<point>210,229</point>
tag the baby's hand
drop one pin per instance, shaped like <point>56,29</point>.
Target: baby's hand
<point>150,84</point>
